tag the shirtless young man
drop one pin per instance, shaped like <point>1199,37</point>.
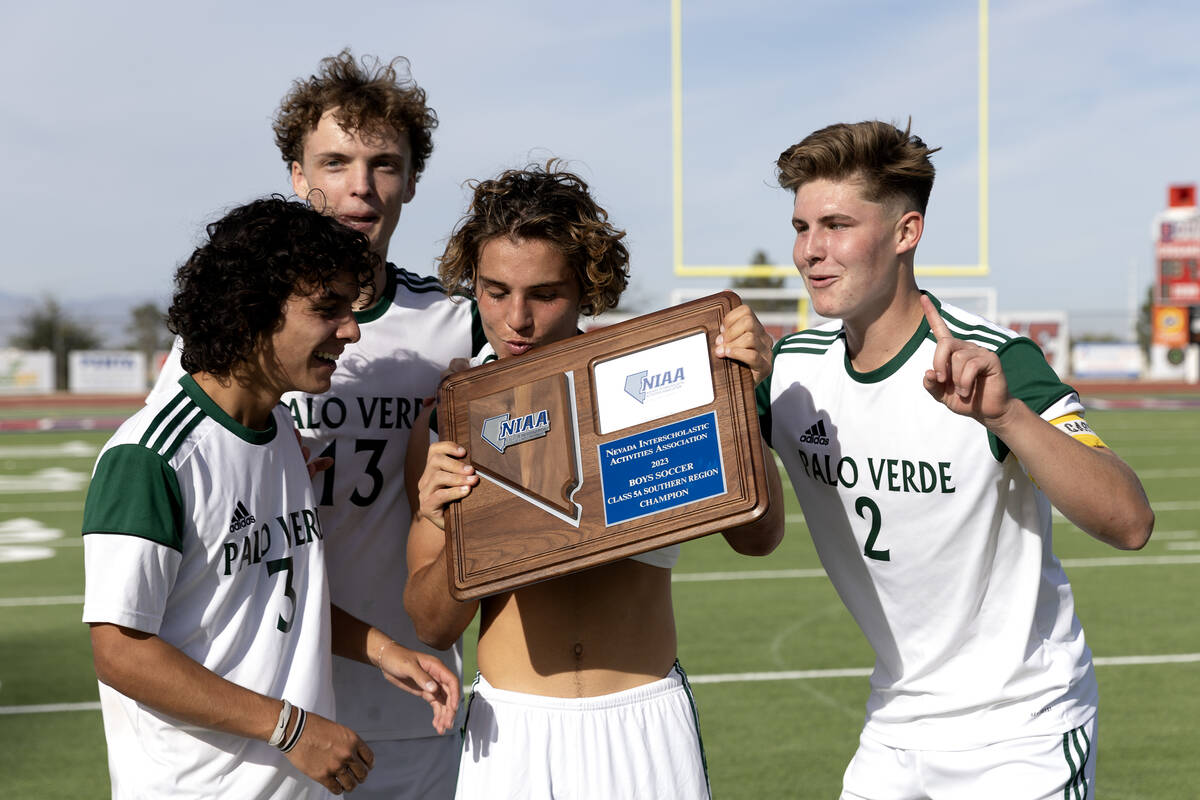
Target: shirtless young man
<point>579,692</point>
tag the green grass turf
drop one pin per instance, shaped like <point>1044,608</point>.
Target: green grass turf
<point>776,738</point>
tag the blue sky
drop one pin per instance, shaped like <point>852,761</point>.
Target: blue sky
<point>130,125</point>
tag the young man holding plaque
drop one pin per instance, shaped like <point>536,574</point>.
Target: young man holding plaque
<point>204,549</point>
<point>579,691</point>
<point>926,446</point>
<point>355,137</point>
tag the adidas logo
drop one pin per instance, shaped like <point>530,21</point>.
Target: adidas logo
<point>241,518</point>
<point>816,435</point>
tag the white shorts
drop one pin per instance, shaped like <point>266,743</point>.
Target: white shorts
<point>1055,767</point>
<point>640,743</point>
<point>411,769</point>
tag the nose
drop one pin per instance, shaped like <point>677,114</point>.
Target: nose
<point>361,180</point>
<point>809,249</point>
<point>518,317</point>
<point>348,329</point>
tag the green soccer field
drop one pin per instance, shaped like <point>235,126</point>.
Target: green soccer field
<point>778,667</point>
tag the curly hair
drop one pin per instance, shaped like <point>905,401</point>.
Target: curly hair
<point>231,292</point>
<point>368,96</point>
<point>546,203</point>
<point>892,163</point>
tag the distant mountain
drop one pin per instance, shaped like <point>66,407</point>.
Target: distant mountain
<point>107,315</point>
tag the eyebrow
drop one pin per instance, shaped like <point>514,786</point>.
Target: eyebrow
<point>827,218</point>
<point>331,295</point>
<point>347,157</point>
<point>503,285</point>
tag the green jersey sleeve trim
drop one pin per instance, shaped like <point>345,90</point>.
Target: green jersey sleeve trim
<point>478,337</point>
<point>1030,380</point>
<point>135,492</point>
<point>762,395</point>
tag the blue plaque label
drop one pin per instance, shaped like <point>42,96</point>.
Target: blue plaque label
<point>661,468</point>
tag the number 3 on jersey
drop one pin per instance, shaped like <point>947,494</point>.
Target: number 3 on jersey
<point>370,470</point>
<point>865,506</point>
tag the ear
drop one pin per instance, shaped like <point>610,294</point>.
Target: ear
<point>299,182</point>
<point>909,228</point>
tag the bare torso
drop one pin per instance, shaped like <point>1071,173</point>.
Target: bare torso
<point>595,632</point>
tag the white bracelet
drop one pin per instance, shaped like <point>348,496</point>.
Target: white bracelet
<point>301,718</point>
<point>284,715</point>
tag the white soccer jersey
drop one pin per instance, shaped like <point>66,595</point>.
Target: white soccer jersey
<point>206,533</point>
<point>407,339</point>
<point>935,538</point>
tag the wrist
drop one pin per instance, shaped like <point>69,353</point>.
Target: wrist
<point>382,649</point>
<point>1007,419</point>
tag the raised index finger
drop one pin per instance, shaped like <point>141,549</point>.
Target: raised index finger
<point>936,324</point>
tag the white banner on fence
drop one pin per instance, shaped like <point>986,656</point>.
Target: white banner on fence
<point>26,371</point>
<point>1107,360</point>
<point>106,372</point>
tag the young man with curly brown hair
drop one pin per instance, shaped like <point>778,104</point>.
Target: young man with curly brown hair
<point>204,549</point>
<point>355,137</point>
<point>579,693</point>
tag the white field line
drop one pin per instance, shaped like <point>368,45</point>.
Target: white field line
<point>810,674</point>
<point>1076,563</point>
<point>747,575</point>
<point>1158,474</point>
<point>730,677</point>
<point>34,508</point>
<point>50,708</point>
<point>1174,535</point>
<point>73,449</point>
<point>25,602</point>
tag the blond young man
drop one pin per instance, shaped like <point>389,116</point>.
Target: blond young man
<point>355,137</point>
<point>926,446</point>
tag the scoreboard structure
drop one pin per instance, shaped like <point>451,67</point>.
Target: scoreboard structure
<point>1177,249</point>
<point>1175,314</point>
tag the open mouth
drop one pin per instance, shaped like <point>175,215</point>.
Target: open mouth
<point>362,223</point>
<point>517,348</point>
<point>325,357</point>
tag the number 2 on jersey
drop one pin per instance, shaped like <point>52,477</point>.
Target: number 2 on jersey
<point>866,504</point>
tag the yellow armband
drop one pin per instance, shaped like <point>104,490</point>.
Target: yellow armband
<point>1076,427</point>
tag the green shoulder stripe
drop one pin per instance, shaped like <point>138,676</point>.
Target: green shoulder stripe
<point>983,335</point>
<point>185,420</point>
<point>167,410</point>
<point>135,492</point>
<point>812,341</point>
<point>418,283</point>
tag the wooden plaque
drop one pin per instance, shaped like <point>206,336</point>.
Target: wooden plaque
<point>599,447</point>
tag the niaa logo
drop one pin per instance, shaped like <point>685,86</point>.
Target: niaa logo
<point>502,431</point>
<point>641,385</point>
